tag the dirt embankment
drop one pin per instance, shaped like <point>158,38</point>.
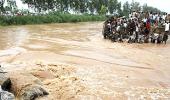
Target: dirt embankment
<point>62,83</point>
<point>59,80</point>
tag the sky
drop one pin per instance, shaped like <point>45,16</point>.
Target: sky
<point>163,5</point>
<point>21,5</point>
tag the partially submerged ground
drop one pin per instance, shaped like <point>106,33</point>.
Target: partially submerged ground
<point>132,76</point>
<point>83,66</point>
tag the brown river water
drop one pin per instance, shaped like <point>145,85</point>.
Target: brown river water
<point>76,63</point>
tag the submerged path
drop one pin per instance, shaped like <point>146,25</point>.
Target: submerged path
<point>105,70</point>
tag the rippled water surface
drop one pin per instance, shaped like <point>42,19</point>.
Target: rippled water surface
<point>106,68</point>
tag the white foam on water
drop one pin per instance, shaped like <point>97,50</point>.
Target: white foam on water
<point>37,46</point>
<point>0,88</point>
<point>12,51</point>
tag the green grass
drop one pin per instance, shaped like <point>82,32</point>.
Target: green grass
<point>49,18</point>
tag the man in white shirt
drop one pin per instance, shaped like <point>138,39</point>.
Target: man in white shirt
<point>164,17</point>
<point>167,26</point>
<point>165,36</point>
<point>154,16</point>
<point>130,15</point>
<point>144,20</point>
<point>133,14</point>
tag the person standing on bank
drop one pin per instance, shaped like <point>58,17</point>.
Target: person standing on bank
<point>167,27</point>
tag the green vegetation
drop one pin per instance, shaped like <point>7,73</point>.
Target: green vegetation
<point>49,18</point>
<point>100,7</point>
<point>84,10</point>
<point>78,6</point>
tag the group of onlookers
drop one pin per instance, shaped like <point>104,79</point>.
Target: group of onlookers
<point>138,27</point>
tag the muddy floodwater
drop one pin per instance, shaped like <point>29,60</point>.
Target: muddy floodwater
<point>84,66</point>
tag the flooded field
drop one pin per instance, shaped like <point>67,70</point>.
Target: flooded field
<point>74,62</point>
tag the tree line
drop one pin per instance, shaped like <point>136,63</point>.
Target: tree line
<point>88,6</point>
<point>101,7</point>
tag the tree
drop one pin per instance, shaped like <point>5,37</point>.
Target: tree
<point>135,6</point>
<point>113,6</point>
<point>2,5</point>
<point>126,9</point>
<point>103,10</point>
<point>147,8</point>
<point>12,6</point>
<point>83,6</point>
<point>119,10</point>
<point>91,6</point>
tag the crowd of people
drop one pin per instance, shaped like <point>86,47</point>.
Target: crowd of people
<point>138,27</point>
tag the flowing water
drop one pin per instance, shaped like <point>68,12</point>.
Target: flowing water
<point>106,70</point>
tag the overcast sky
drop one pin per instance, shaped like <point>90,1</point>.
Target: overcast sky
<point>163,5</point>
